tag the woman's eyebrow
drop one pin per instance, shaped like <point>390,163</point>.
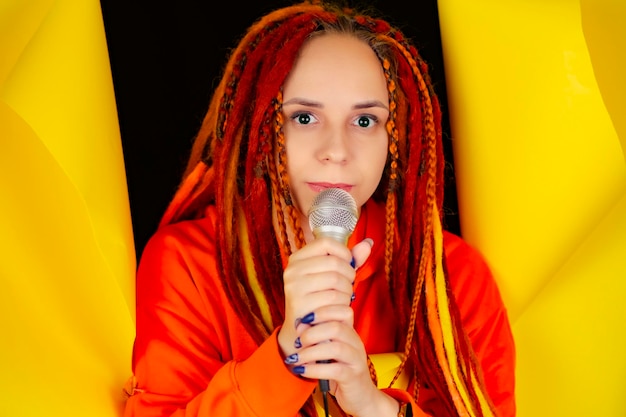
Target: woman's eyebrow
<point>303,102</point>
<point>370,104</point>
<point>310,103</point>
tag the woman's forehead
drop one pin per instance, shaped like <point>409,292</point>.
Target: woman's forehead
<point>336,62</point>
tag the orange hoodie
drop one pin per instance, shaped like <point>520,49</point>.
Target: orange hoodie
<point>193,357</point>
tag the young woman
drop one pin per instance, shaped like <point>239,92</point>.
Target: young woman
<point>241,310</point>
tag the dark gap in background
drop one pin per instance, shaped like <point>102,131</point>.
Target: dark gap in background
<point>165,60</point>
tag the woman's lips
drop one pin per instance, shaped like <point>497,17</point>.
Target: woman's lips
<point>319,186</point>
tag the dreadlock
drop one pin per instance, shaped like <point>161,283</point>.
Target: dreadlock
<point>238,160</point>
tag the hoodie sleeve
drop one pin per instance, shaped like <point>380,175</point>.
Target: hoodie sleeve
<point>192,356</point>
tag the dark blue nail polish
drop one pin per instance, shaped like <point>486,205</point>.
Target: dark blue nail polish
<point>308,319</point>
<point>298,370</point>
<point>353,262</point>
<point>353,297</point>
<point>291,359</point>
<point>297,344</point>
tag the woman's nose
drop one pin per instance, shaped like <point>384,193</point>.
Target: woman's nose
<point>334,147</point>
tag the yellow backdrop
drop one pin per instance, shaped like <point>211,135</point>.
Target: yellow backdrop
<point>538,111</point>
<point>66,304</point>
<point>537,103</point>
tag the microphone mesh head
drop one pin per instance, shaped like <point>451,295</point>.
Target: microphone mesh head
<point>333,213</point>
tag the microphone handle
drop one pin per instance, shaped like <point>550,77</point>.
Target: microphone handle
<point>325,387</point>
<point>324,384</point>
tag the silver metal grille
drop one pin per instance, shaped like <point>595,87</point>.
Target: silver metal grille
<point>333,214</point>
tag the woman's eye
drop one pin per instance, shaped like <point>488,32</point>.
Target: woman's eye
<point>303,118</point>
<point>366,121</point>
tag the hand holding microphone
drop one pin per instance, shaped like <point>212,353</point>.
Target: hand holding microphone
<point>318,282</point>
<point>333,214</point>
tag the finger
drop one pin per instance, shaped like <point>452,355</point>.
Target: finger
<point>324,273</point>
<point>345,348</point>
<point>361,251</point>
<point>327,264</point>
<point>323,246</point>
<point>318,301</point>
<point>335,313</point>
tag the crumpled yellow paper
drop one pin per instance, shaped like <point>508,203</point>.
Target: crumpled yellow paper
<point>68,259</point>
<point>537,102</point>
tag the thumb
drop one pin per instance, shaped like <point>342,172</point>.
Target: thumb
<point>361,251</point>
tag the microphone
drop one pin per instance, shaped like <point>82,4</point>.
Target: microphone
<point>333,214</point>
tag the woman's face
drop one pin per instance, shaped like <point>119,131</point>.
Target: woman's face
<point>336,105</point>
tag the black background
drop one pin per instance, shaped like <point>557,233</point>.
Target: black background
<point>166,58</point>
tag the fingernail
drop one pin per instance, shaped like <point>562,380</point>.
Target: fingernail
<point>308,319</point>
<point>291,359</point>
<point>298,370</point>
<point>353,262</point>
<point>297,343</point>
<point>370,241</point>
<point>353,297</point>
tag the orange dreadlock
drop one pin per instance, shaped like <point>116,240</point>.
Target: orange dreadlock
<point>238,159</point>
